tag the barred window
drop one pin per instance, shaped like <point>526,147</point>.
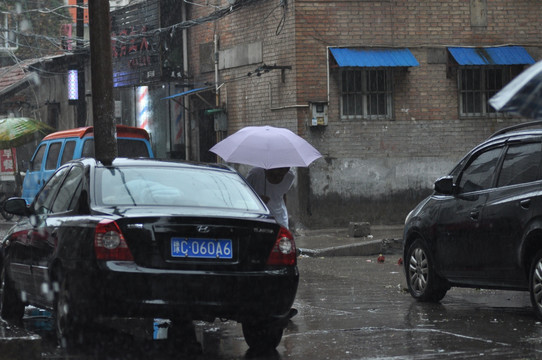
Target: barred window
<point>366,94</point>
<point>478,84</point>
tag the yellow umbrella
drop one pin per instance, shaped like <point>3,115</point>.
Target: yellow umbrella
<point>20,130</point>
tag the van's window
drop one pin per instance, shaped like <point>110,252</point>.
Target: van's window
<point>131,148</point>
<point>67,154</point>
<point>36,163</point>
<point>521,164</point>
<point>52,156</point>
<point>88,148</point>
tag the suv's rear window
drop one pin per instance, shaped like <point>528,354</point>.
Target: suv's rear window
<point>131,148</point>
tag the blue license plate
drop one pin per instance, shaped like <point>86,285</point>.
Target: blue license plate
<point>201,248</point>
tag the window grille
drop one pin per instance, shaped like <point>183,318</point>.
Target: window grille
<point>8,37</point>
<point>478,84</point>
<point>366,94</point>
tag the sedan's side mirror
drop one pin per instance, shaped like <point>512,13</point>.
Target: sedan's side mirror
<point>445,185</point>
<point>16,206</point>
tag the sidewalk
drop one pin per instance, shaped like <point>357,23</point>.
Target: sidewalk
<point>383,239</point>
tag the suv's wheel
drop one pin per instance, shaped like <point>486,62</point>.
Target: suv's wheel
<point>261,336</point>
<point>69,321</point>
<point>535,284</point>
<point>12,306</point>
<point>423,282</point>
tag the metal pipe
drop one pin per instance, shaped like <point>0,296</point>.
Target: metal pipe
<point>187,127</point>
<point>285,107</point>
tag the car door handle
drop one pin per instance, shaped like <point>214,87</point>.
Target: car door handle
<point>474,214</point>
<point>525,204</point>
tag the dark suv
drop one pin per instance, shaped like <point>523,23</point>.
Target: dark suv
<point>482,226</point>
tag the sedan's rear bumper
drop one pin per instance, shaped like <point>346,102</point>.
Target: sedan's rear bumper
<point>125,289</point>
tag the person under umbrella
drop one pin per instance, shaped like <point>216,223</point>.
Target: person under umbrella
<point>272,151</point>
<point>272,186</point>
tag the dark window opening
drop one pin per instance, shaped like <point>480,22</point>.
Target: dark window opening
<point>366,94</point>
<point>478,84</point>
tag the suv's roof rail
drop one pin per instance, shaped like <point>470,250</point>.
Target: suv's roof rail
<point>516,127</point>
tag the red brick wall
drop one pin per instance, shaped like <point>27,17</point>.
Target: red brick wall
<point>391,163</point>
<point>250,99</point>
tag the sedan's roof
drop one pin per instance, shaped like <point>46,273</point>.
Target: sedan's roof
<point>155,162</point>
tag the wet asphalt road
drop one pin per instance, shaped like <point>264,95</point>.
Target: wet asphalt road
<point>349,308</point>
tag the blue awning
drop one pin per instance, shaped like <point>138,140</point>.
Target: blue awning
<point>350,57</point>
<point>189,92</point>
<point>501,55</point>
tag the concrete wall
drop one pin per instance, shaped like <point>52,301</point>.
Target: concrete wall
<point>393,169</point>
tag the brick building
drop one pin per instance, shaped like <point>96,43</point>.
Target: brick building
<point>391,129</point>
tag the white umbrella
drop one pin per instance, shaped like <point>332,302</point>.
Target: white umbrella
<point>523,95</point>
<point>267,147</point>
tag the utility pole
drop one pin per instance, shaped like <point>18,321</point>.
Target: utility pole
<point>80,34</point>
<point>105,140</point>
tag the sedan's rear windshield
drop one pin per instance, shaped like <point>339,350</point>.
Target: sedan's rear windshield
<point>174,186</point>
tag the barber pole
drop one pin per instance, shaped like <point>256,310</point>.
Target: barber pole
<point>143,111</point>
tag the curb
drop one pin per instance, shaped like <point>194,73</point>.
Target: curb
<point>367,248</point>
<point>16,346</point>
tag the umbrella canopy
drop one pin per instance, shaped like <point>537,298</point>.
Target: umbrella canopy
<point>267,147</point>
<point>523,95</point>
<point>18,131</point>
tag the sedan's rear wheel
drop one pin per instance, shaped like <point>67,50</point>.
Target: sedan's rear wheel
<point>182,334</point>
<point>423,282</point>
<point>68,320</point>
<point>535,284</point>
<point>262,336</point>
<point>12,306</point>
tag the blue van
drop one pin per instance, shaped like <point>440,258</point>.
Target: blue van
<point>62,146</point>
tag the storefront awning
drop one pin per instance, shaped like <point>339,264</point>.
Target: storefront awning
<point>189,92</point>
<point>501,55</point>
<point>352,57</point>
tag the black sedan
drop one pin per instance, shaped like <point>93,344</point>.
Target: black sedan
<point>149,238</point>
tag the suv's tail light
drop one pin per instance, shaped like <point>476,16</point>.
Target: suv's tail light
<point>284,251</point>
<point>109,243</point>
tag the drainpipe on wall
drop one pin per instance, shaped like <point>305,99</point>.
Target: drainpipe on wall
<point>187,126</point>
<point>217,97</point>
<point>327,71</point>
<point>219,133</point>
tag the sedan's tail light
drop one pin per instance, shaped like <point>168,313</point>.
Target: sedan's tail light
<point>109,243</point>
<point>284,251</point>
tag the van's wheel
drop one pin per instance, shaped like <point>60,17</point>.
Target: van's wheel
<point>12,305</point>
<point>535,284</point>
<point>423,282</point>
<point>261,336</point>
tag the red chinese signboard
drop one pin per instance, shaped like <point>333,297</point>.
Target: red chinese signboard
<point>145,47</point>
<point>7,161</point>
